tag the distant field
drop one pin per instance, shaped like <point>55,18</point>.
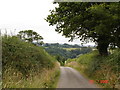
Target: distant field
<point>69,49</point>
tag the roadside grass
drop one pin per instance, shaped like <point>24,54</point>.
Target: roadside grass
<point>26,65</point>
<point>48,78</point>
<point>98,68</point>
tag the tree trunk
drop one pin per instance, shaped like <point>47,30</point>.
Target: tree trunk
<point>103,44</point>
<point>102,48</point>
<point>118,42</point>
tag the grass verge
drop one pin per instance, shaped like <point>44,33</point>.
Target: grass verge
<point>99,68</point>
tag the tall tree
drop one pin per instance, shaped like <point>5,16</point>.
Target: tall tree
<point>30,36</point>
<point>87,21</point>
<point>115,10</point>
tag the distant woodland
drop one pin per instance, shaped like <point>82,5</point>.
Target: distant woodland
<point>62,52</point>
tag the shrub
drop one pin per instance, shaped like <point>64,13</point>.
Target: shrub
<point>24,57</point>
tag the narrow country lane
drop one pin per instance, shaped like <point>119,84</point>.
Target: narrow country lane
<point>70,78</point>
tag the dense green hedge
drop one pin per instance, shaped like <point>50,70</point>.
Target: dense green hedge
<point>23,56</point>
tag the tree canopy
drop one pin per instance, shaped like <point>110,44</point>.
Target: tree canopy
<point>30,36</point>
<point>89,21</point>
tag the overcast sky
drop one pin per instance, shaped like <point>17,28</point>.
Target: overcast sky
<point>17,15</point>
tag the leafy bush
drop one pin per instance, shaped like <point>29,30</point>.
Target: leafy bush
<point>24,57</point>
<point>26,65</point>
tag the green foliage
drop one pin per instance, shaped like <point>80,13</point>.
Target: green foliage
<point>30,36</point>
<point>100,68</point>
<point>93,61</point>
<point>25,65</point>
<point>65,45</point>
<point>89,22</point>
<point>60,59</point>
<point>62,54</point>
<point>23,56</point>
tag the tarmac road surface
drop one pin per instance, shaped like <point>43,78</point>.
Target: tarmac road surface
<point>70,78</point>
